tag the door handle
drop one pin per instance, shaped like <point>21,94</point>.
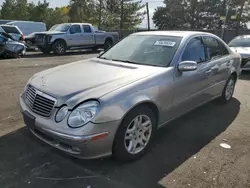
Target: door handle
<point>228,63</point>
<point>208,72</point>
<point>215,69</point>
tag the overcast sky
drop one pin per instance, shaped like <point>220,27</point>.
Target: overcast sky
<point>152,5</point>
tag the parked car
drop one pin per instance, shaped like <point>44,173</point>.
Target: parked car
<point>30,41</point>
<point>28,27</point>
<point>9,47</point>
<point>241,45</point>
<point>113,104</point>
<point>14,31</point>
<point>62,37</point>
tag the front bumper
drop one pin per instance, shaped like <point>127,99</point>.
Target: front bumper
<point>80,143</point>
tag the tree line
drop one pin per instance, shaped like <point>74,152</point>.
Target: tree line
<point>128,14</point>
<point>105,14</point>
<point>202,14</point>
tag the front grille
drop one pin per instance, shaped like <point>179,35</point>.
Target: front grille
<point>39,102</point>
<point>40,38</point>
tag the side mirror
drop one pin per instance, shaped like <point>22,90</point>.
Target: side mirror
<point>102,52</point>
<point>187,66</point>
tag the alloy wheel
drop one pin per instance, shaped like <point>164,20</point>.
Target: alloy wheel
<point>60,48</point>
<point>138,134</point>
<point>229,89</point>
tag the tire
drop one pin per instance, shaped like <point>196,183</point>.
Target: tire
<point>95,49</point>
<point>59,47</point>
<point>129,144</point>
<point>108,43</point>
<point>228,91</point>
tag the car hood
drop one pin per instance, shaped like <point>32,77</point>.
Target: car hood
<point>241,50</point>
<point>51,32</point>
<point>88,79</point>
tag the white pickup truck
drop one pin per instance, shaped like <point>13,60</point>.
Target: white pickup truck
<point>68,36</point>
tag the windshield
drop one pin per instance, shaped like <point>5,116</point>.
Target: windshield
<point>11,29</point>
<point>2,39</point>
<point>240,42</point>
<point>144,50</point>
<point>60,27</point>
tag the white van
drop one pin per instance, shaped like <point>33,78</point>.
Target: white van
<point>28,27</point>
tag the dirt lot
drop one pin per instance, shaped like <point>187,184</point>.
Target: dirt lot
<point>186,153</point>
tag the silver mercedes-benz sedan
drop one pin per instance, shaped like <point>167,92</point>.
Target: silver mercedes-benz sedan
<point>241,45</point>
<point>113,104</point>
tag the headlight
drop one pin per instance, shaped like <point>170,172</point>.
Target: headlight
<point>83,114</point>
<point>61,114</point>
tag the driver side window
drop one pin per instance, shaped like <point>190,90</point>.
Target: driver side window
<point>75,29</point>
<point>194,51</point>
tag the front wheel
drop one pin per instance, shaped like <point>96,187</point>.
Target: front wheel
<point>228,91</point>
<point>135,134</point>
<point>59,48</point>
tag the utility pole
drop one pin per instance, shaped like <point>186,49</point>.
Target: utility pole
<point>100,14</point>
<point>239,17</point>
<point>224,23</point>
<point>121,17</point>
<point>148,17</point>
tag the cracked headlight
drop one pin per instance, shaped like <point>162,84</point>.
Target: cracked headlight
<point>83,114</point>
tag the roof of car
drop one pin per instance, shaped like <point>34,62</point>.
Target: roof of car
<point>5,25</point>
<point>242,36</point>
<point>172,33</point>
<point>75,23</point>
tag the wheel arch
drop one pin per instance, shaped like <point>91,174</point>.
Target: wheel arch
<point>150,104</point>
<point>234,74</point>
<point>109,39</point>
<point>61,40</point>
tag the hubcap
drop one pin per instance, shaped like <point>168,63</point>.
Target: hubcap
<point>229,89</point>
<point>59,48</point>
<point>138,134</point>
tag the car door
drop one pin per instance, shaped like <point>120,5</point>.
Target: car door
<point>88,35</point>
<point>74,36</point>
<point>218,67</point>
<point>188,89</point>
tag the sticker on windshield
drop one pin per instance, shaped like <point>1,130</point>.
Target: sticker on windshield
<point>165,43</point>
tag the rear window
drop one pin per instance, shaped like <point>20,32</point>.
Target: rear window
<point>240,42</point>
<point>9,29</point>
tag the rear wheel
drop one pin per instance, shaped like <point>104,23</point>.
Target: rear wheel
<point>135,134</point>
<point>59,47</point>
<point>108,43</point>
<point>228,91</point>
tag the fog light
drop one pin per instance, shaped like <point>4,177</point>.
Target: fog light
<point>61,114</point>
<point>75,149</point>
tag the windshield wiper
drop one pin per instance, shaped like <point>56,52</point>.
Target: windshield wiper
<point>126,61</point>
<point>103,58</point>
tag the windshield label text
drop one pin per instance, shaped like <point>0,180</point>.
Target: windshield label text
<point>165,43</point>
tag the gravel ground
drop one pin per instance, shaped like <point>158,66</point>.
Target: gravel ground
<point>186,153</point>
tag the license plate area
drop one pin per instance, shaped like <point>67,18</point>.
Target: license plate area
<point>29,120</point>
<point>40,41</point>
